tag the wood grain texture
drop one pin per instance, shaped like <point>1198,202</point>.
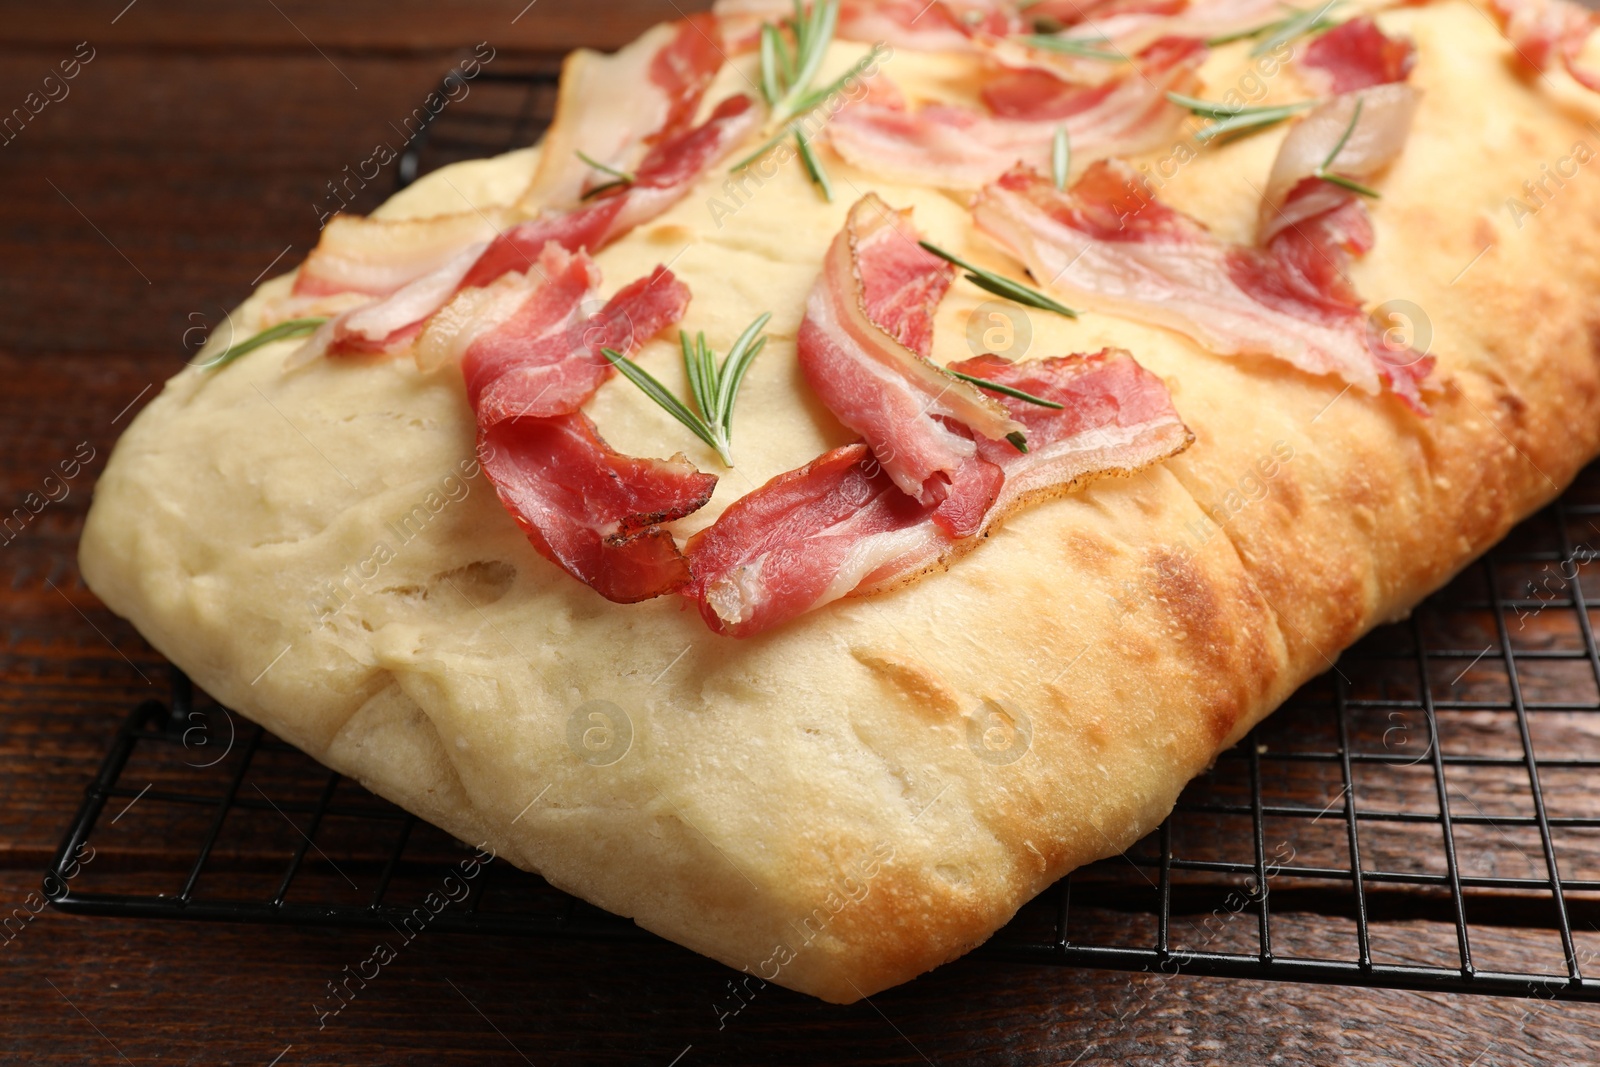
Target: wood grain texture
<point>188,156</point>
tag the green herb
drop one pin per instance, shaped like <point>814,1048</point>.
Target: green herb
<point>1061,157</point>
<point>1339,179</point>
<point>1018,441</point>
<point>786,81</point>
<point>1075,46</point>
<point>813,165</point>
<point>714,387</point>
<point>280,332</point>
<point>1227,119</point>
<point>996,387</point>
<point>1241,35</point>
<point>622,178</point>
<point>1000,286</point>
<point>1296,25</point>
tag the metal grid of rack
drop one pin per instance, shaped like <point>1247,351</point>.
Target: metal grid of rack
<point>1420,817</point>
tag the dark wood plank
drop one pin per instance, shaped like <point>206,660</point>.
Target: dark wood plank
<point>419,26</point>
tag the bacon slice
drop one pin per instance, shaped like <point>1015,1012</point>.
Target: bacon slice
<point>1294,193</point>
<point>1109,244</point>
<point>592,511</point>
<point>665,176</point>
<point>840,527</point>
<point>956,147</point>
<point>863,348</point>
<point>612,105</point>
<point>669,171</point>
<point>1128,27</point>
<point>531,359</point>
<point>1543,31</point>
<point>381,256</point>
<point>941,26</point>
<point>1357,55</point>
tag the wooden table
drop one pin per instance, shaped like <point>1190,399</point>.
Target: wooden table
<point>184,163</point>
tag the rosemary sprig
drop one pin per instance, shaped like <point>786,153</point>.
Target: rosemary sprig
<point>1339,179</point>
<point>1296,25</point>
<point>1006,390</point>
<point>280,332</point>
<point>1061,157</point>
<point>1242,35</point>
<point>1227,119</point>
<point>1074,46</point>
<point>621,178</point>
<point>1001,286</point>
<point>714,387</point>
<point>786,78</point>
<point>813,165</point>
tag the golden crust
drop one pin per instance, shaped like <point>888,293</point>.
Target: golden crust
<point>847,802</point>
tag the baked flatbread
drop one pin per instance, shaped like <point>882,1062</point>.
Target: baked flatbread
<point>847,800</point>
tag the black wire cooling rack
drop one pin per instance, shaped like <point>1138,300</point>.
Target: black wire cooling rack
<point>1424,816</point>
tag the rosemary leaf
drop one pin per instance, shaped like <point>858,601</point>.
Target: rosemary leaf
<point>1344,138</point>
<point>1018,441</point>
<point>280,332</point>
<point>770,144</point>
<point>813,165</point>
<point>603,188</point>
<point>1295,25</point>
<point>1349,183</point>
<point>1338,179</point>
<point>713,388</point>
<point>786,81</point>
<point>810,51</point>
<point>1074,46</point>
<point>1241,35</point>
<point>770,42</point>
<point>996,387</point>
<point>659,393</point>
<point>1000,286</point>
<point>620,175</point>
<point>1061,157</point>
<point>745,349</point>
<point>1227,120</point>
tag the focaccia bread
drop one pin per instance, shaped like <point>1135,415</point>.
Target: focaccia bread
<point>845,801</point>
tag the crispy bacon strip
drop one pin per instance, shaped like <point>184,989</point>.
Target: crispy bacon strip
<point>1109,244</point>
<point>595,513</point>
<point>610,106</point>
<point>863,348</point>
<point>957,147</point>
<point>1357,55</point>
<point>1544,31</point>
<point>840,527</point>
<point>665,176</point>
